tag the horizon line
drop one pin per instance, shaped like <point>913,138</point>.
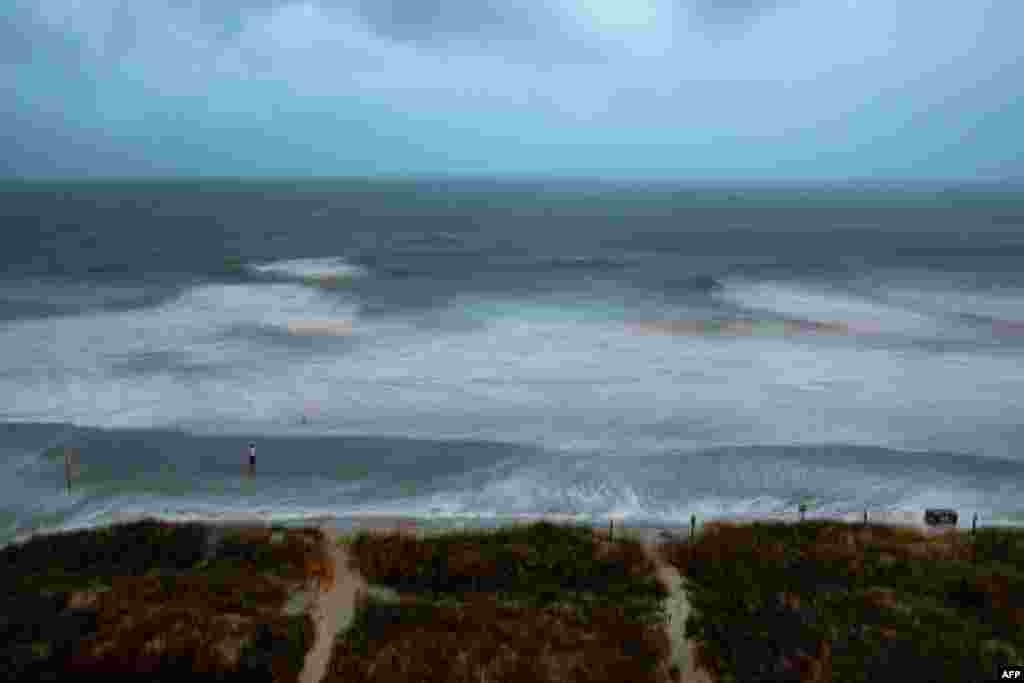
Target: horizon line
<point>512,178</point>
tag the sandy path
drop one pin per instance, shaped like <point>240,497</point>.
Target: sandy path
<point>333,610</point>
<point>678,607</point>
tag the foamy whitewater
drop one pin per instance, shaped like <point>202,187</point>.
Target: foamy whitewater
<point>487,351</point>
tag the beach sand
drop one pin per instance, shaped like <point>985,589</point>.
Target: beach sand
<point>649,532</point>
<point>334,608</point>
<point>677,607</point>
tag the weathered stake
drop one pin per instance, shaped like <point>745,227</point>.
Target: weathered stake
<point>69,455</point>
<point>693,540</point>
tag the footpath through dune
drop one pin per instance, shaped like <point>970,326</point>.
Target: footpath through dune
<point>678,608</point>
<point>333,609</point>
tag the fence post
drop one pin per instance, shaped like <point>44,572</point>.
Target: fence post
<point>68,456</point>
<point>693,535</point>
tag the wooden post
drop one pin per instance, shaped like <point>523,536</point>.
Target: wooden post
<point>974,523</point>
<point>865,516</point>
<point>693,539</point>
<point>70,456</point>
<point>611,529</point>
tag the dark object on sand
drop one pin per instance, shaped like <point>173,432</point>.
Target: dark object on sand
<point>940,516</point>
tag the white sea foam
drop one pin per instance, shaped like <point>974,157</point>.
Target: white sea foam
<point>526,375</point>
<point>1006,304</point>
<point>64,295</point>
<point>310,268</point>
<point>824,305</point>
<point>552,492</point>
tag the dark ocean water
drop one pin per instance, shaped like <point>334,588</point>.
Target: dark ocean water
<point>486,349</point>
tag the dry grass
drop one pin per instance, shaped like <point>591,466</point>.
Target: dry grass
<point>481,640</point>
<point>540,603</point>
<point>295,555</point>
<point>209,603</point>
<point>541,561</point>
<point>823,601</point>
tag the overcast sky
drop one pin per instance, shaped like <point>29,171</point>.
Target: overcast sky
<point>688,89</point>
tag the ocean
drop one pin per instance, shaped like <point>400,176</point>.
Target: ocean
<point>478,349</point>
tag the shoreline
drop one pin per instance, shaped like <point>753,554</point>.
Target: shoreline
<point>648,531</point>
<point>645,529</point>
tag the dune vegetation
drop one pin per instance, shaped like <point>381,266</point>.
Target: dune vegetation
<point>168,601</point>
<point>807,602</point>
<point>826,601</point>
<point>535,603</point>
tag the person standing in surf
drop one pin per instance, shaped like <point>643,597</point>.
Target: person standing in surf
<point>252,459</point>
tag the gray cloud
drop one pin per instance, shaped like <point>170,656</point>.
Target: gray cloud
<point>532,32</point>
<point>15,45</point>
<point>225,17</point>
<point>611,75</point>
<point>417,21</point>
<point>432,21</point>
<point>543,30</point>
<point>439,20</point>
<point>730,12</point>
<point>25,38</point>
